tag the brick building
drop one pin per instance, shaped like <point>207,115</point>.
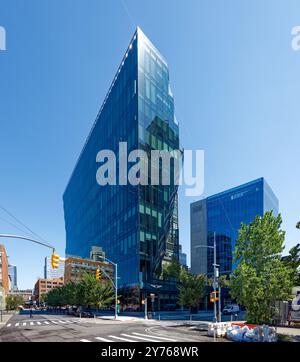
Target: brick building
<point>43,286</point>
<point>76,267</point>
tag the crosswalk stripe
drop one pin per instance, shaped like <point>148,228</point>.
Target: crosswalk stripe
<point>84,340</point>
<point>9,325</point>
<point>69,321</point>
<point>54,322</point>
<point>63,322</point>
<point>39,323</point>
<point>17,324</point>
<point>141,338</point>
<point>103,339</point>
<point>122,339</point>
<point>31,323</point>
<point>24,324</point>
<point>151,336</point>
<point>46,322</point>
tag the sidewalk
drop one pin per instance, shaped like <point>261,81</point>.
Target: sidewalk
<point>119,319</point>
<point>288,331</point>
<point>5,318</point>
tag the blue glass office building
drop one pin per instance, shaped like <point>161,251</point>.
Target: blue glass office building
<point>222,214</point>
<point>136,226</point>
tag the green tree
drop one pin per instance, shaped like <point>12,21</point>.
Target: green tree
<point>172,270</point>
<point>191,288</point>
<point>92,292</point>
<point>223,281</point>
<point>292,260</point>
<point>55,298</point>
<point>105,295</point>
<point>13,301</point>
<point>88,292</point>
<point>260,277</point>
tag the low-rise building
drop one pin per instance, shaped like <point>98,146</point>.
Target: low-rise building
<point>26,294</point>
<point>43,286</point>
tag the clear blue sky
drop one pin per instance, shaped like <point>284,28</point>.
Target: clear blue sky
<point>235,78</point>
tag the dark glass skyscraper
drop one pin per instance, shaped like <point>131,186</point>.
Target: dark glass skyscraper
<point>222,214</point>
<point>136,226</point>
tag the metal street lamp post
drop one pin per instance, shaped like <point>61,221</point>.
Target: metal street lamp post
<point>115,284</point>
<point>216,275</point>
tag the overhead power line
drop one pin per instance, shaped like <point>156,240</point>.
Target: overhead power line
<point>14,225</point>
<point>21,223</point>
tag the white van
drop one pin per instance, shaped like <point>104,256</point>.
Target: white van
<point>231,309</point>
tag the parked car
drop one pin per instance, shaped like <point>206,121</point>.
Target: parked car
<point>72,311</point>
<point>87,314</point>
<point>231,309</point>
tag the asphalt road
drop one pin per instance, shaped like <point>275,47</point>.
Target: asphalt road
<point>54,328</point>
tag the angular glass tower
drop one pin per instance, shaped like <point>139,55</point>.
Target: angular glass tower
<point>136,226</point>
<point>222,214</point>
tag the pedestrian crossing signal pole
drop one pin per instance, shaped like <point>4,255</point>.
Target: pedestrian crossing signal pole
<point>144,302</point>
<point>116,292</point>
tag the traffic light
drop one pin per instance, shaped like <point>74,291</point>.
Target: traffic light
<point>55,260</point>
<point>213,297</point>
<point>98,274</point>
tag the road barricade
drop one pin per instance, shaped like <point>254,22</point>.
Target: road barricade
<point>218,329</point>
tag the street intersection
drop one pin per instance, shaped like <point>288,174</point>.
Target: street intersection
<point>53,328</point>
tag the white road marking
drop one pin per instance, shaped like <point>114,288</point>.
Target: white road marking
<point>141,338</point>
<point>8,325</point>
<point>39,323</point>
<point>24,324</point>
<point>54,322</point>
<point>31,323</point>
<point>46,322</point>
<point>151,336</point>
<point>103,339</point>
<point>17,324</point>
<point>84,340</point>
<point>122,339</point>
<point>62,322</point>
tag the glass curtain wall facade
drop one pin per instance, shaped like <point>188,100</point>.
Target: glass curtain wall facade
<point>12,272</point>
<point>136,226</point>
<point>222,214</point>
